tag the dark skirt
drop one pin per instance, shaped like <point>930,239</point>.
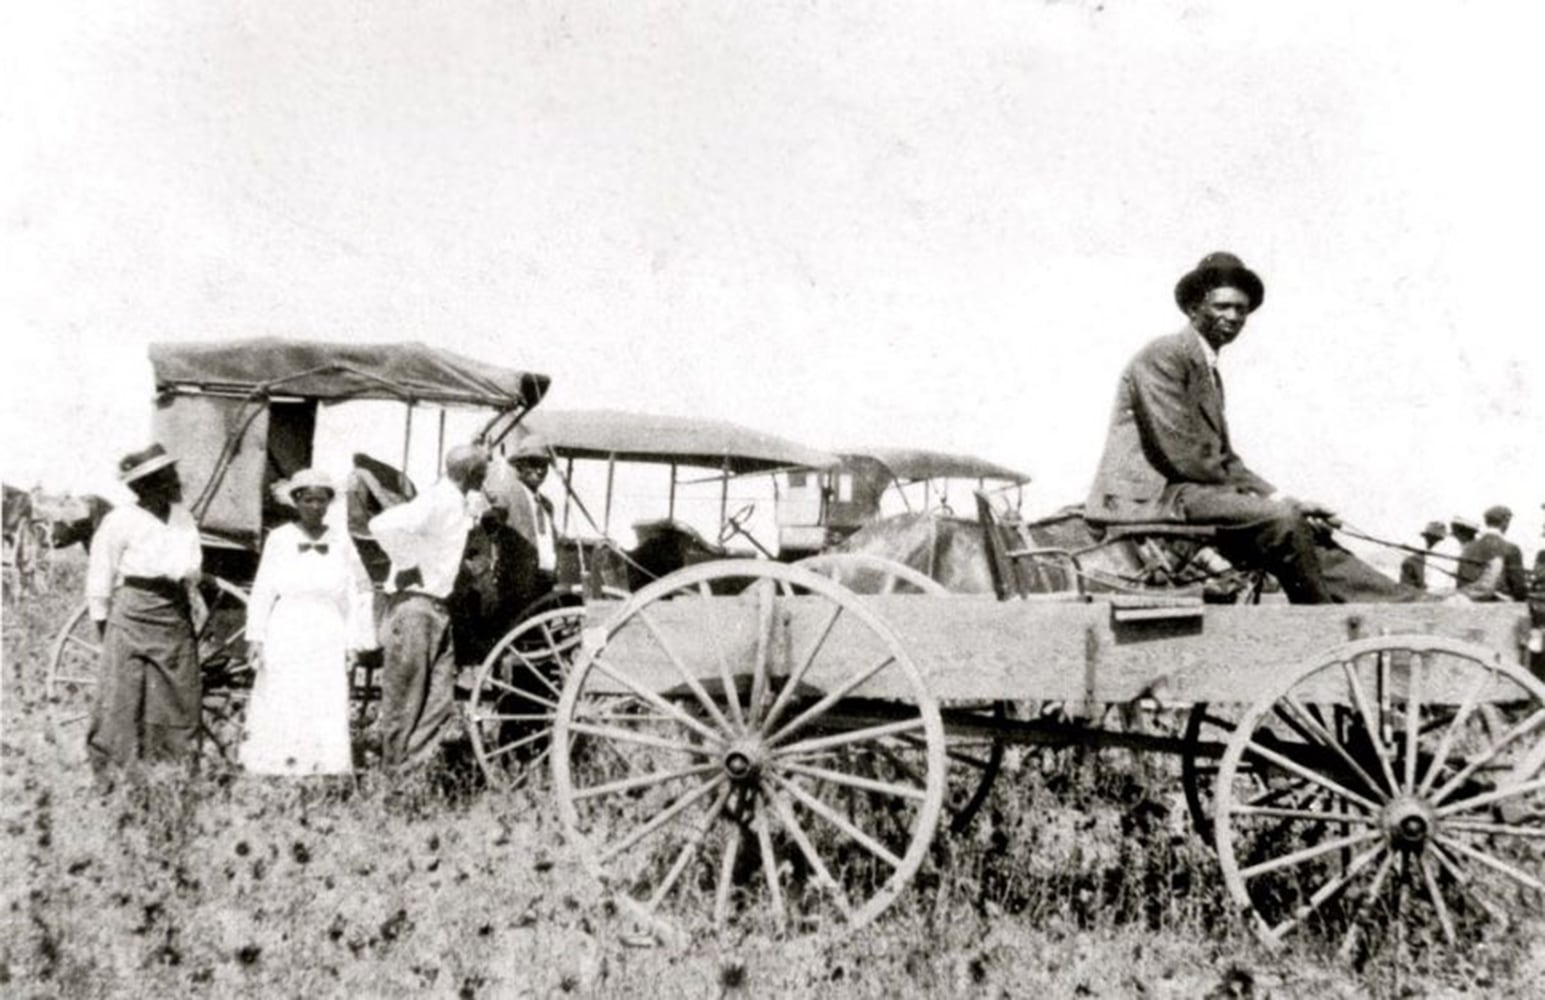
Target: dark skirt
<point>148,703</point>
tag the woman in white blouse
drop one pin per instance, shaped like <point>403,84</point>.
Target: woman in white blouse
<point>310,607</point>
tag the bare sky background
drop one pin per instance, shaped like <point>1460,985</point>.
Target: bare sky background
<point>932,224</point>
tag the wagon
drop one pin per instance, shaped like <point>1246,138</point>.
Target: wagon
<point>514,692</point>
<point>241,416</point>
<point>758,735</point>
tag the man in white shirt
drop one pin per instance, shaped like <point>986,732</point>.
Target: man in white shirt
<point>145,560</point>
<point>425,539</point>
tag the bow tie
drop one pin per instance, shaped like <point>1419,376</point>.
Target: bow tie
<point>319,547</point>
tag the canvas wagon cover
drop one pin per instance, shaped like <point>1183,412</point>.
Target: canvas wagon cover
<point>337,371</point>
<point>639,437</point>
<point>908,464</point>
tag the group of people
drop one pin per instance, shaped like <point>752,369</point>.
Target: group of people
<point>483,528</point>
<point>479,545</point>
<point>1168,459</point>
<point>1480,564</point>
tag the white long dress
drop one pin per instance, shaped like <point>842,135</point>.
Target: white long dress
<point>308,608</point>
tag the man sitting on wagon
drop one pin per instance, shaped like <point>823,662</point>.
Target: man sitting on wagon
<point>1167,454</point>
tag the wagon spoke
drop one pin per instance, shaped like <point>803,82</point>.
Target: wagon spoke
<point>1495,864</point>
<point>1446,744</point>
<point>1495,829</point>
<point>495,682</point>
<point>72,679</point>
<point>540,676</point>
<point>645,739</point>
<point>807,747</point>
<point>517,744</point>
<point>78,641</point>
<point>644,781</point>
<point>1462,879</point>
<point>1375,888</point>
<point>1413,721</point>
<point>658,702</point>
<point>688,849</point>
<point>1445,919</point>
<point>1326,892</point>
<point>808,852</point>
<point>71,720</point>
<point>1306,774</point>
<point>762,655</point>
<point>721,902</point>
<point>681,805</point>
<point>1374,727</point>
<point>824,811</point>
<point>899,764</point>
<point>1523,728</point>
<point>1492,797</point>
<point>764,846</point>
<point>510,717</point>
<point>1314,731</point>
<point>781,703</point>
<point>1302,855</point>
<point>693,684</point>
<point>842,691</point>
<point>727,679</point>
<point>855,781</point>
<point>1308,815</point>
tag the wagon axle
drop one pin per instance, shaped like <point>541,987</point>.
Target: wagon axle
<point>1409,822</point>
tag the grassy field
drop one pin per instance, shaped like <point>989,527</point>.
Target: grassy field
<point>1081,879</point>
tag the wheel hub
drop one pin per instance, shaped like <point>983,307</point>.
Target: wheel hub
<point>1409,821</point>
<point>743,760</point>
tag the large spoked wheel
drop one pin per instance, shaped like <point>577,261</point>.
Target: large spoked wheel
<point>867,574</point>
<point>739,755</point>
<point>515,695</point>
<point>1208,730</point>
<point>75,671</point>
<point>1372,800</point>
<point>975,752</point>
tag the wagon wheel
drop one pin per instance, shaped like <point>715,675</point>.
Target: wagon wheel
<point>1206,731</point>
<point>746,752</point>
<point>1404,810</point>
<point>515,695</point>
<point>75,666</point>
<point>878,574</point>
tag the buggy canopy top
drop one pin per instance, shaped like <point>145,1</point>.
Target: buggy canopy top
<point>639,437</point>
<point>408,371</point>
<point>913,464</point>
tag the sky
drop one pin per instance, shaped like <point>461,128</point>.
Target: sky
<point>862,223</point>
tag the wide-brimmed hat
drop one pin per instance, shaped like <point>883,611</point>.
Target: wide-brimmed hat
<point>310,479</point>
<point>136,465</point>
<point>1435,529</point>
<point>1219,269</point>
<point>531,448</point>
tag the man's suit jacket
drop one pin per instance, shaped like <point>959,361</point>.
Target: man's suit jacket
<point>1167,430</point>
<point>1478,575</point>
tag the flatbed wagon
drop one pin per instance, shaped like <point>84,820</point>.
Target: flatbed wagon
<point>793,748</point>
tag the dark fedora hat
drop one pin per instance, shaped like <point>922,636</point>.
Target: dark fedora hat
<point>1219,269</point>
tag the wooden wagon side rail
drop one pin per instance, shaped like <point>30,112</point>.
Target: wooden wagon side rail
<point>975,649</point>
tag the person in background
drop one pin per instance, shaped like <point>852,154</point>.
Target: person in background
<point>310,606</point>
<point>531,562</point>
<point>1447,553</point>
<point>1413,569</point>
<point>1491,567</point>
<point>140,588</point>
<point>425,539</point>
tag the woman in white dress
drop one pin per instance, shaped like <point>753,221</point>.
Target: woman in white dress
<point>310,607</point>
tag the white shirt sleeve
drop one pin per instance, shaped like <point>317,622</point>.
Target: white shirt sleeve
<point>102,569</point>
<point>360,625</point>
<point>264,590</point>
<point>397,529</point>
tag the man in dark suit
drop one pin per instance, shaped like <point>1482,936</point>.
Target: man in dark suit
<point>1168,457</point>
<point>527,539</point>
<point>1491,567</point>
<point>1413,569</point>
